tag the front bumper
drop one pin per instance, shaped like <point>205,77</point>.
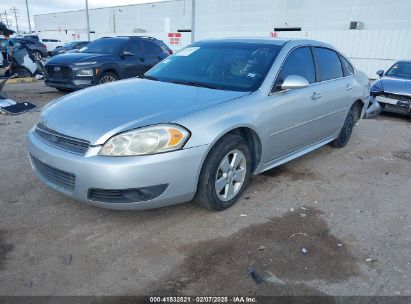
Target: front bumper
<point>70,84</point>
<point>66,77</point>
<point>179,170</point>
<point>395,104</point>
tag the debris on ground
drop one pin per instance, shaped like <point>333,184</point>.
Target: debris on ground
<point>303,208</point>
<point>304,251</point>
<point>67,259</point>
<point>273,279</point>
<point>298,233</point>
<point>303,215</point>
<point>243,214</point>
<point>292,209</point>
<point>368,260</point>
<point>254,275</point>
<point>262,248</point>
<point>339,245</point>
<point>28,284</point>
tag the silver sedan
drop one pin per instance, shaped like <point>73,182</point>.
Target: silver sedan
<point>198,124</point>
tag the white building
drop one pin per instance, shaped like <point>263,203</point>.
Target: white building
<point>372,33</point>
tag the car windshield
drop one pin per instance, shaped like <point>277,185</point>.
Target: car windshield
<point>104,46</point>
<point>70,44</point>
<point>233,66</point>
<point>400,69</point>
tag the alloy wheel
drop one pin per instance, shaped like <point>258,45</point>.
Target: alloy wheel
<point>37,56</point>
<point>230,175</point>
<point>107,78</point>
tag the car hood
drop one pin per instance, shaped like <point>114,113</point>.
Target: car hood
<point>97,113</point>
<point>401,86</point>
<point>70,58</point>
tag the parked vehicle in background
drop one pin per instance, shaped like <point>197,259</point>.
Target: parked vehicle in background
<point>104,60</point>
<point>51,44</point>
<point>198,124</point>
<point>393,90</point>
<point>69,47</point>
<point>165,47</point>
<point>38,49</point>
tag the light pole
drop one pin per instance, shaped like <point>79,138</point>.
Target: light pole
<point>15,11</point>
<point>193,20</point>
<point>28,16</point>
<point>88,21</point>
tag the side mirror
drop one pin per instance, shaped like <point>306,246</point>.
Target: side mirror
<point>294,82</point>
<point>126,54</point>
<point>380,73</point>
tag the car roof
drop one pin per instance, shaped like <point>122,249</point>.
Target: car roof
<point>130,37</point>
<point>268,40</point>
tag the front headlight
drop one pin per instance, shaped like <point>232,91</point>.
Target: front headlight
<point>85,73</point>
<point>145,141</point>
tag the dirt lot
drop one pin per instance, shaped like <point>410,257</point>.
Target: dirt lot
<point>349,208</point>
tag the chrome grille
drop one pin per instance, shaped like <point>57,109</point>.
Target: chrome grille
<point>62,142</point>
<point>57,177</point>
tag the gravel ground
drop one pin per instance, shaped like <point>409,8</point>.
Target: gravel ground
<point>348,208</point>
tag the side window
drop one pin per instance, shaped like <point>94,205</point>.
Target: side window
<point>299,62</point>
<point>348,69</point>
<point>133,46</point>
<point>150,47</point>
<point>329,64</point>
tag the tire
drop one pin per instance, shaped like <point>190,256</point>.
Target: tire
<point>218,166</point>
<point>107,77</point>
<point>37,55</point>
<point>346,131</point>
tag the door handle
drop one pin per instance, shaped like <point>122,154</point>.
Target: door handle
<point>348,87</point>
<point>316,96</point>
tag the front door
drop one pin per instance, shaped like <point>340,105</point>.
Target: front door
<point>290,113</point>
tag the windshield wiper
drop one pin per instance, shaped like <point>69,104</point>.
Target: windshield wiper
<point>197,84</point>
<point>149,77</point>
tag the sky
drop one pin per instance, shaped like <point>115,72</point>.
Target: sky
<point>37,7</point>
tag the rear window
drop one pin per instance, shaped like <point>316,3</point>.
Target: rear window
<point>348,68</point>
<point>329,64</point>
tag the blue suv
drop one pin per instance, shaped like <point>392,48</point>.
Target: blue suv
<point>104,60</point>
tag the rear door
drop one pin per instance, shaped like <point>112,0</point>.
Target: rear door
<point>334,88</point>
<point>152,54</point>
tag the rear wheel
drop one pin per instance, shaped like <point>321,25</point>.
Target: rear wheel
<point>346,131</point>
<point>37,55</point>
<point>225,174</point>
<point>108,77</point>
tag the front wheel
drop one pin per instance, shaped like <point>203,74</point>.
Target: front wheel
<point>225,174</point>
<point>108,77</point>
<point>346,131</point>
